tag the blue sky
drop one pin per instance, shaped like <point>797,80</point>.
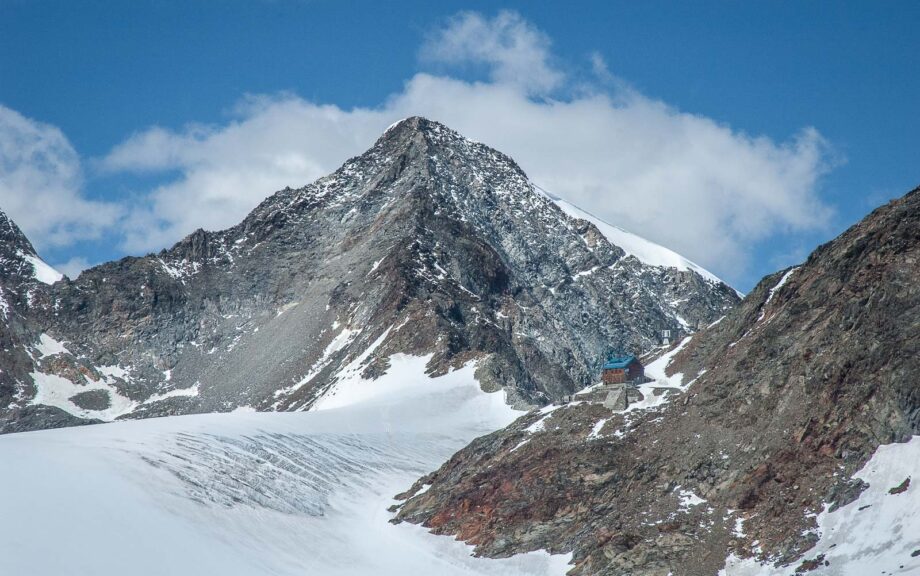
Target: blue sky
<point>823,101</point>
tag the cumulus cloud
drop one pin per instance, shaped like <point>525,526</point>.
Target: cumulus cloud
<point>40,180</point>
<point>227,170</point>
<point>73,267</point>
<point>516,53</point>
<point>700,187</point>
<point>599,67</point>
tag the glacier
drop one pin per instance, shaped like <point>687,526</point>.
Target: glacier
<point>248,493</point>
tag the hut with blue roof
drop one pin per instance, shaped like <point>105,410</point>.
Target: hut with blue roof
<point>621,369</point>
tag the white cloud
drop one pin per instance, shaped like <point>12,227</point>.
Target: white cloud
<point>702,188</point>
<point>517,53</point>
<point>40,181</point>
<point>599,67</point>
<point>73,267</point>
<point>226,171</point>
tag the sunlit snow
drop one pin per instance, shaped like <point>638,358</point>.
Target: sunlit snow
<point>646,251</point>
<point>688,498</point>
<point>878,533</point>
<point>43,272</point>
<point>251,493</point>
<point>660,381</point>
<point>774,290</point>
<point>48,346</point>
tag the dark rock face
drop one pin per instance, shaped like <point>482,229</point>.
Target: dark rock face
<point>792,393</point>
<point>92,400</point>
<point>426,244</point>
<point>20,293</point>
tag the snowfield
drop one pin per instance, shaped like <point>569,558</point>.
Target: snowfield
<point>251,493</point>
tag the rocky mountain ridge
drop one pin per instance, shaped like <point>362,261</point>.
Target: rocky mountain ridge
<point>427,244</point>
<point>777,406</point>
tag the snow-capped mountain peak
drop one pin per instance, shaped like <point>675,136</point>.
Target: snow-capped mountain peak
<point>428,244</point>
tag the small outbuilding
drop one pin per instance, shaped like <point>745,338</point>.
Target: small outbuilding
<point>622,369</point>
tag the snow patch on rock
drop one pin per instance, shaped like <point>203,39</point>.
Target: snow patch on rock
<point>596,429</point>
<point>57,391</point>
<point>48,346</point>
<point>190,392</point>
<point>688,498</point>
<point>774,290</point>
<point>42,271</point>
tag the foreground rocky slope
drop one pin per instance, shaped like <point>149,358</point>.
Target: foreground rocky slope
<point>785,399</point>
<point>428,244</point>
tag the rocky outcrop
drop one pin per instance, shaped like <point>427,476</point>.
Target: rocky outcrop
<point>427,244</point>
<point>791,394</point>
<point>23,289</point>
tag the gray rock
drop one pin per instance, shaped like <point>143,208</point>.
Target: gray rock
<point>92,400</point>
<point>428,243</point>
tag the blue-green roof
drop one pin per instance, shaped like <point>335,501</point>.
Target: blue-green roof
<point>618,362</point>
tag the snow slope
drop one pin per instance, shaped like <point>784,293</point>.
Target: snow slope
<point>646,251</point>
<point>878,533</point>
<point>251,493</point>
<point>42,271</point>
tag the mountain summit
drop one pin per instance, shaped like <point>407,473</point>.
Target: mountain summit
<point>428,244</point>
